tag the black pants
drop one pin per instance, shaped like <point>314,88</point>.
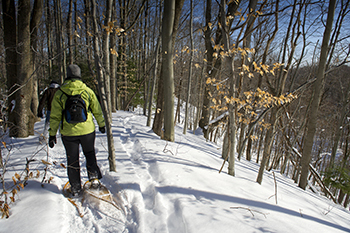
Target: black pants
<point>71,144</point>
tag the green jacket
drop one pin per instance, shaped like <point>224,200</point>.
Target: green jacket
<point>74,87</point>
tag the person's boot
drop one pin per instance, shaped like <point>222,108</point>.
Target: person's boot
<point>95,183</point>
<point>76,191</point>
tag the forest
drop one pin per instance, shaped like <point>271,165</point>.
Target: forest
<point>269,77</point>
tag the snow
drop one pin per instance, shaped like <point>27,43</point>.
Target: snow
<point>162,187</point>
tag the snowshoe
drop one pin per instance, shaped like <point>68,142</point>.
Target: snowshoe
<point>91,189</point>
<point>75,197</point>
<point>101,192</point>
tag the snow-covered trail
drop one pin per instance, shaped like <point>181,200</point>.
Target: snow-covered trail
<point>134,185</point>
<point>138,165</point>
<point>98,216</point>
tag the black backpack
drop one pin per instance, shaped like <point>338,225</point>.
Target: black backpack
<point>75,109</point>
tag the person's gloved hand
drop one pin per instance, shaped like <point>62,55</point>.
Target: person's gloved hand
<point>40,114</point>
<point>102,129</point>
<point>52,141</point>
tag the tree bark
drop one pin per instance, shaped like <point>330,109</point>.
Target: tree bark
<point>228,68</point>
<point>204,121</point>
<point>153,82</point>
<point>159,114</point>
<point>48,24</point>
<point>34,24</point>
<point>59,43</point>
<point>69,33</point>
<point>311,125</point>
<point>10,43</point>
<point>168,70</point>
<point>113,76</point>
<point>24,94</point>
<point>101,87</point>
<point>106,57</point>
<point>339,127</point>
<point>189,71</point>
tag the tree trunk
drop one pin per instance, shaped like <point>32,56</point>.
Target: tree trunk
<point>106,57</point>
<point>311,125</point>
<point>69,33</point>
<point>144,62</point>
<point>122,72</point>
<point>267,146</point>
<point>48,24</point>
<point>159,114</point>
<point>228,68</point>
<point>34,24</point>
<point>113,68</point>
<point>101,87</point>
<point>339,127</point>
<point>24,94</point>
<point>87,14</point>
<point>59,44</point>
<point>346,202</point>
<point>189,71</point>
<point>10,43</point>
<point>204,121</point>
<point>153,82</point>
<point>168,70</point>
<point>179,100</point>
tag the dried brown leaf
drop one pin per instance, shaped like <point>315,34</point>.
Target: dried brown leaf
<point>46,162</point>
<point>14,192</point>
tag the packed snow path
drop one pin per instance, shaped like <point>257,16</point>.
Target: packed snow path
<point>167,187</point>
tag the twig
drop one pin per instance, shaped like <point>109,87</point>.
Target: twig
<point>46,165</point>
<point>102,199</point>
<point>329,210</point>
<point>250,210</point>
<point>166,150</point>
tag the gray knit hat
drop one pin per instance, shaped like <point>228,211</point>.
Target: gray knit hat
<point>73,71</point>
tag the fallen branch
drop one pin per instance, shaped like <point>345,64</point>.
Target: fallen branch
<point>166,150</point>
<point>250,210</point>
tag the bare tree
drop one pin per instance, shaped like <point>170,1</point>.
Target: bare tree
<point>317,91</point>
<point>167,68</point>
<point>61,58</point>
<point>19,59</point>
<point>101,80</point>
<point>189,71</point>
<point>69,33</point>
<point>34,24</point>
<point>159,114</point>
<point>10,43</point>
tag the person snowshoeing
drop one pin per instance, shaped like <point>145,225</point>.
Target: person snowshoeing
<point>72,111</point>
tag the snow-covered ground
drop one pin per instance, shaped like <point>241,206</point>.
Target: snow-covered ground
<point>162,187</point>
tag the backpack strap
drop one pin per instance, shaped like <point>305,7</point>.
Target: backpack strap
<point>63,107</point>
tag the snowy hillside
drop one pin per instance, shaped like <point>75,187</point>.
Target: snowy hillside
<point>163,187</point>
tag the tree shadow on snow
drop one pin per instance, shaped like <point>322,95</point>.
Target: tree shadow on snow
<point>215,196</point>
